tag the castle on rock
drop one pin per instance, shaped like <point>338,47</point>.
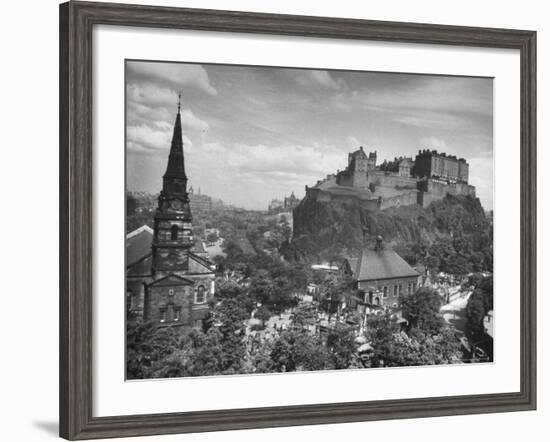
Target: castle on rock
<point>404,181</point>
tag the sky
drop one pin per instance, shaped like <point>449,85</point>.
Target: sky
<point>252,134</point>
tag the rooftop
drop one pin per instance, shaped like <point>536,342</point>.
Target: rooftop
<point>381,264</point>
<point>138,244</point>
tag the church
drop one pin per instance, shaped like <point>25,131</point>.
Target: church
<point>169,278</point>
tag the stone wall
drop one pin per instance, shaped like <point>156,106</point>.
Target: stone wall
<point>434,190</point>
<point>407,198</point>
<point>389,179</point>
<point>171,303</point>
<point>386,291</point>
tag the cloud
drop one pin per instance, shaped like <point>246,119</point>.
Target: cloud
<point>147,140</point>
<point>292,159</point>
<point>433,143</point>
<point>175,76</point>
<point>352,142</point>
<point>152,105</point>
<point>482,177</point>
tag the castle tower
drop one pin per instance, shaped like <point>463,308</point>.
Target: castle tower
<point>173,235</point>
<point>371,162</point>
<point>358,165</point>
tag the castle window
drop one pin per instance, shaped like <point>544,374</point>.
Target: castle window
<point>177,312</point>
<point>171,292</point>
<point>163,315</point>
<point>200,296</point>
<point>394,290</point>
<point>385,290</point>
<point>174,232</point>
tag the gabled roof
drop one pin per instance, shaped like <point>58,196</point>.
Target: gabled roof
<point>202,261</point>
<point>171,279</point>
<point>138,244</point>
<point>140,269</point>
<point>382,264</point>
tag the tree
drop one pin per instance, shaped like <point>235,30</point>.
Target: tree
<point>297,350</point>
<point>304,316</point>
<point>261,287</point>
<point>342,348</point>
<point>479,304</point>
<point>395,348</point>
<point>263,314</point>
<point>421,310</point>
<point>212,237</point>
<point>334,290</point>
<point>379,333</point>
<point>145,345</point>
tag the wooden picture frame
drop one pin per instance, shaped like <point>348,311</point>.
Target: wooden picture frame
<point>76,22</point>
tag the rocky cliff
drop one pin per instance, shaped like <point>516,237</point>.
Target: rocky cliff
<point>452,229</point>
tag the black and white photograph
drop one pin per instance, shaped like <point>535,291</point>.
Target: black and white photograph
<point>292,219</point>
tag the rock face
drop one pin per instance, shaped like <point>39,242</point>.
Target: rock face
<point>327,230</point>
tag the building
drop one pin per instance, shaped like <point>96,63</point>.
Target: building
<point>432,164</point>
<point>290,202</point>
<point>359,165</point>
<point>381,275</point>
<point>287,204</point>
<point>401,182</point>
<point>169,279</point>
<point>199,202</point>
<point>405,166</point>
<point>275,205</point>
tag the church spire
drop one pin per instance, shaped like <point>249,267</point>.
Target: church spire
<point>175,170</point>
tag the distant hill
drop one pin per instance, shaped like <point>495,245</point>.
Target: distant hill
<point>451,232</point>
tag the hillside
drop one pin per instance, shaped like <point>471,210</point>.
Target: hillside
<point>452,234</point>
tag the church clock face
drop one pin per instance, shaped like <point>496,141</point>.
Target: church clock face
<point>176,205</point>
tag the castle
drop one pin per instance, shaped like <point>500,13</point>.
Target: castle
<point>402,182</point>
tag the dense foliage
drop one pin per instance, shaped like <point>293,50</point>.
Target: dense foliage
<point>452,235</point>
<point>479,304</point>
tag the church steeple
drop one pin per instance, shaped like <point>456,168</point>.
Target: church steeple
<point>175,179</point>
<point>173,231</point>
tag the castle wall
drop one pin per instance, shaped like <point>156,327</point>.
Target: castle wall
<point>326,196</point>
<point>463,171</point>
<point>433,190</point>
<point>392,180</point>
<point>407,198</point>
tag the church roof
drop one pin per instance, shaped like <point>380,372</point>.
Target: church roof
<point>138,244</point>
<point>381,264</point>
<point>171,279</point>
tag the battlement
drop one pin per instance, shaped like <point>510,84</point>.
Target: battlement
<point>401,181</point>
